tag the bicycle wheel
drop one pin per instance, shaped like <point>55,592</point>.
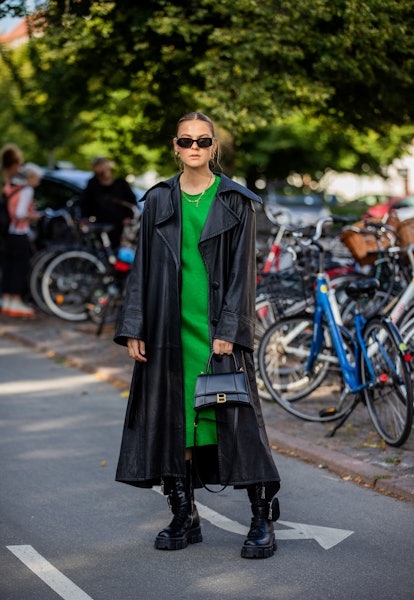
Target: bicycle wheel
<point>389,395</point>
<point>406,329</point>
<point>37,268</point>
<point>266,315</point>
<point>105,302</point>
<point>68,282</point>
<point>317,395</point>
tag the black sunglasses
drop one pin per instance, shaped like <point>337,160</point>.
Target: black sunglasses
<point>204,142</point>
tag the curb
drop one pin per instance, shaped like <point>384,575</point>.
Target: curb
<point>346,467</point>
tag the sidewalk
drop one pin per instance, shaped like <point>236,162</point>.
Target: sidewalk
<point>355,453</point>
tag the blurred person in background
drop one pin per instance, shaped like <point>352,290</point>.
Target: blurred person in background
<point>17,248</point>
<point>11,162</point>
<point>108,200</point>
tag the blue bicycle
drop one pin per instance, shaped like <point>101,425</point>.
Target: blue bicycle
<point>318,370</point>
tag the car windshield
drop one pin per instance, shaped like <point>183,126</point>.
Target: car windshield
<point>308,200</point>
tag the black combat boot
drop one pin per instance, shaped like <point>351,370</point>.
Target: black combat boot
<point>184,528</point>
<point>261,541</point>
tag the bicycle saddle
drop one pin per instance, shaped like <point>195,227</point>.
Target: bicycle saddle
<point>363,288</point>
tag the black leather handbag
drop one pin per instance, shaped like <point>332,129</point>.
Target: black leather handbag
<point>221,389</point>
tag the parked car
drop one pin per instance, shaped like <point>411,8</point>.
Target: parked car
<point>405,208</point>
<point>61,188</point>
<point>397,203</point>
<point>298,209</point>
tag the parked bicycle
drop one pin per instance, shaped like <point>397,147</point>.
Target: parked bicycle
<point>62,233</point>
<point>374,245</point>
<point>77,283</point>
<point>107,297</point>
<point>283,292</point>
<point>401,308</point>
<point>317,370</point>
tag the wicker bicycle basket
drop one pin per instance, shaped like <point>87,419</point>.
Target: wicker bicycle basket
<point>405,233</point>
<point>365,245</point>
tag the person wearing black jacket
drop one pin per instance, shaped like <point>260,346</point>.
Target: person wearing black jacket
<point>191,292</point>
<point>108,200</point>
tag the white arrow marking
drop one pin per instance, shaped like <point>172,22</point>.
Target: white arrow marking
<point>327,537</point>
<point>58,582</point>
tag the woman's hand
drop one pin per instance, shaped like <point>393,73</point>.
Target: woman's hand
<point>222,347</point>
<point>136,349</point>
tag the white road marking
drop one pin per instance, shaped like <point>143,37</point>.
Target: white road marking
<point>327,537</point>
<point>58,582</point>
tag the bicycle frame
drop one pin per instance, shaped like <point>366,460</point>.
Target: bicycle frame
<point>326,306</point>
<point>407,297</point>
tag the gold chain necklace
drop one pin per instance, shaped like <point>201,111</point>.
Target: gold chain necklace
<point>195,200</point>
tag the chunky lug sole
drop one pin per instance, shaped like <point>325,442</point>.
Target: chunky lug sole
<point>179,543</point>
<point>252,551</point>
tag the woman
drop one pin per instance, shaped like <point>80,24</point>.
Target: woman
<point>17,247</point>
<point>192,291</point>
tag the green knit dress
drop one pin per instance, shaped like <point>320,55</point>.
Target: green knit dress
<point>194,312</point>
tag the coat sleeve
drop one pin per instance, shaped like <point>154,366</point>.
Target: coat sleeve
<point>131,321</point>
<point>237,317</point>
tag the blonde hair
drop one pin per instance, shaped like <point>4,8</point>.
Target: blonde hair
<point>31,170</point>
<point>196,116</point>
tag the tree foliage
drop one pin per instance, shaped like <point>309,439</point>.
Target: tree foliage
<point>251,61</point>
<point>12,8</point>
<point>341,70</point>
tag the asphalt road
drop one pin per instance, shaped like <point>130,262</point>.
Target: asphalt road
<point>355,452</point>
<point>68,530</point>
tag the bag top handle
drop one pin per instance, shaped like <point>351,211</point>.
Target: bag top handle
<point>236,366</point>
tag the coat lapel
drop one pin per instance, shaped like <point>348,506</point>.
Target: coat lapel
<point>221,219</point>
<point>168,220</point>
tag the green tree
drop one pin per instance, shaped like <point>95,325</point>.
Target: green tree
<point>12,8</point>
<point>254,65</point>
<point>44,97</point>
<point>250,61</point>
<point>310,145</point>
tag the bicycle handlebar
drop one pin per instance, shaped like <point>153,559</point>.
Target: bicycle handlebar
<point>319,228</point>
<point>51,213</point>
<point>371,227</point>
<point>273,216</point>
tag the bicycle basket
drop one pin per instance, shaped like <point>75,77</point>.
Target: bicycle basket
<point>405,231</point>
<point>286,288</point>
<point>364,245</point>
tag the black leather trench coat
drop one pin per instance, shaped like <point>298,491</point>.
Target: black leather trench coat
<point>153,439</point>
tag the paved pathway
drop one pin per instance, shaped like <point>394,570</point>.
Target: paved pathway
<point>355,452</point>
